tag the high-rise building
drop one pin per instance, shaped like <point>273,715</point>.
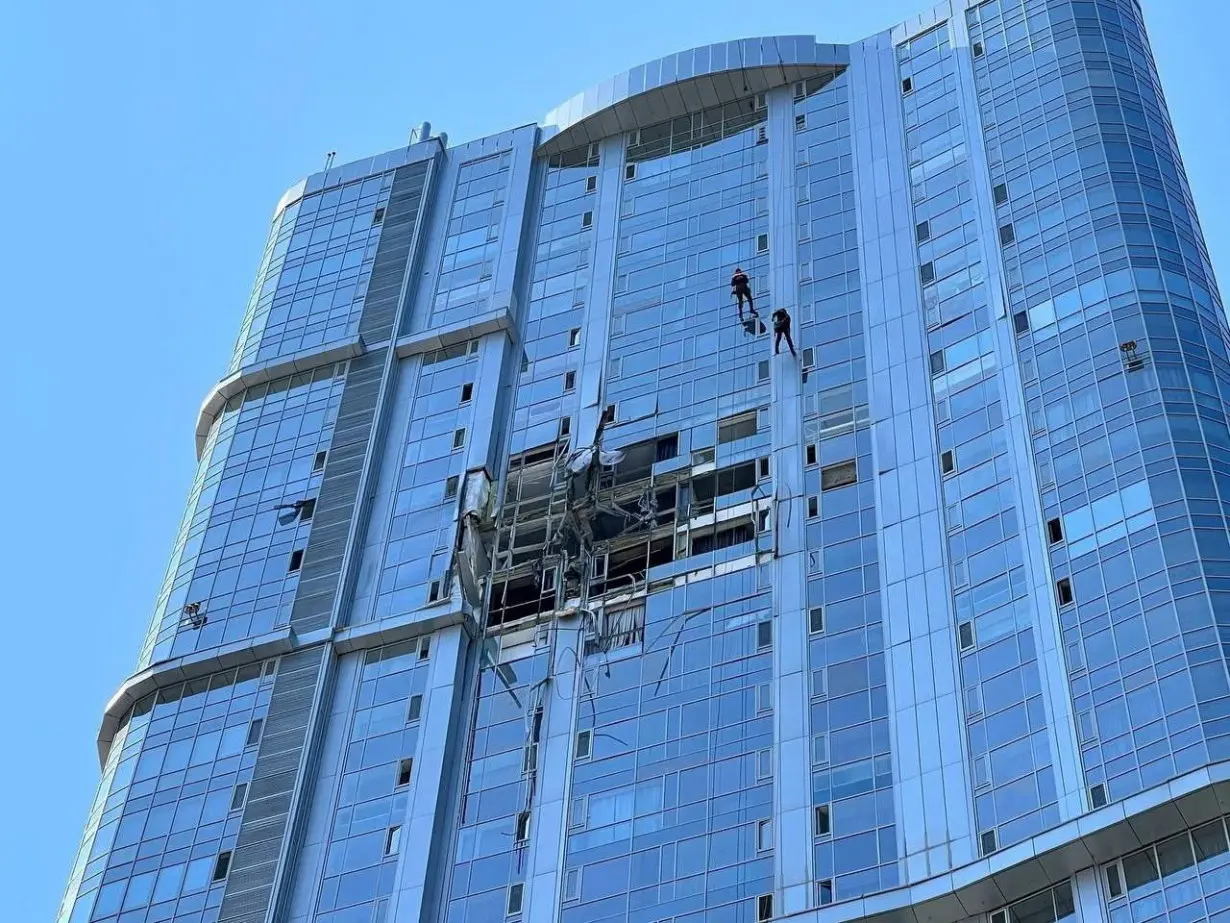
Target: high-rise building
<point>521,580</point>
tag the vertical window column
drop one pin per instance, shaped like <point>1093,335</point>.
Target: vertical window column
<point>548,815</point>
<point>595,335</point>
<point>931,792</point>
<point>441,741</point>
<point>792,725</point>
<point>520,185</point>
<point>1061,725</point>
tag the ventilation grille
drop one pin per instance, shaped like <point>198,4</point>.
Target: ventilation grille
<point>254,862</point>
<point>392,253</point>
<point>322,563</point>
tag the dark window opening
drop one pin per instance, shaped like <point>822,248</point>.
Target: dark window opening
<point>591,183</point>
<point>459,438</point>
<point>841,474</point>
<point>988,841</point>
<point>823,827</point>
<point>948,462</point>
<point>926,272</point>
<point>392,840</point>
<point>1054,531</point>
<point>824,892</point>
<point>255,730</point>
<point>764,635</point>
<point>611,414</point>
<point>813,507</point>
<point>308,510</point>
<point>762,468</point>
<point>764,908</point>
<point>584,744</point>
<point>978,49</point>
<point>762,370</point>
<point>415,709</point>
<point>965,635</point>
<point>740,426</point>
<point>723,538</point>
<point>1097,795</point>
<point>378,215</point>
<point>922,231</point>
<point>907,85</point>
<point>762,243</point>
<point>574,337</point>
<point>319,463</point>
<point>1063,588</point>
<point>450,486</point>
<point>800,122</point>
<point>587,220</point>
<point>1001,193</point>
<point>937,362</point>
<point>630,171</point>
<point>467,392</point>
<point>1007,234</point>
<point>523,827</point>
<point>706,487</point>
<point>222,865</point>
<point>565,426</point>
<point>570,381</point>
<point>1020,322</point>
<point>1114,883</point>
<point>667,447</point>
<point>404,769</point>
<point>424,647</point>
<point>434,591</point>
<point>296,560</point>
<point>815,619</point>
<point>515,895</point>
<point>239,796</point>
<point>810,452</point>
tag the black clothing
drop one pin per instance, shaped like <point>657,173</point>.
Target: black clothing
<point>741,289</point>
<point>781,328</point>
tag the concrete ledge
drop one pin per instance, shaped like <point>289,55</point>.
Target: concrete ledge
<point>430,340</point>
<point>1047,859</point>
<point>273,644</point>
<point>190,666</point>
<point>303,361</point>
<point>402,628</point>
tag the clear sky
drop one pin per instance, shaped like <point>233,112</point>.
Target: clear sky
<point>143,145</point>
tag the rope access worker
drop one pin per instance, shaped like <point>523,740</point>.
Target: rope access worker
<point>781,328</point>
<point>741,289</point>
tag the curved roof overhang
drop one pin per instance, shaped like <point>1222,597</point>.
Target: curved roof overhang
<point>689,81</point>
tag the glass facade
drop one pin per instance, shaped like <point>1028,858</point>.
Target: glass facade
<point>523,579</point>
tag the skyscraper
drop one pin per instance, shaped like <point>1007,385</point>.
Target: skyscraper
<point>521,580</point>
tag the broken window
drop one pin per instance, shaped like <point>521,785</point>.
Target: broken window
<point>838,475</point>
<point>739,426</point>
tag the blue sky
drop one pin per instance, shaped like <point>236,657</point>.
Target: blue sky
<point>145,143</point>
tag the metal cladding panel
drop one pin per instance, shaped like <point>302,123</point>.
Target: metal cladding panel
<point>401,219</point>
<point>335,508</point>
<point>254,864</point>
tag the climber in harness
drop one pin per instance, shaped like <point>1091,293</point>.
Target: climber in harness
<point>741,289</point>
<point>781,328</point>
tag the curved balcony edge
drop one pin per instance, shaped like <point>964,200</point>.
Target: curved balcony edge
<point>702,77</point>
<point>1047,859</point>
<point>305,360</point>
<point>345,640</point>
<point>179,669</point>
